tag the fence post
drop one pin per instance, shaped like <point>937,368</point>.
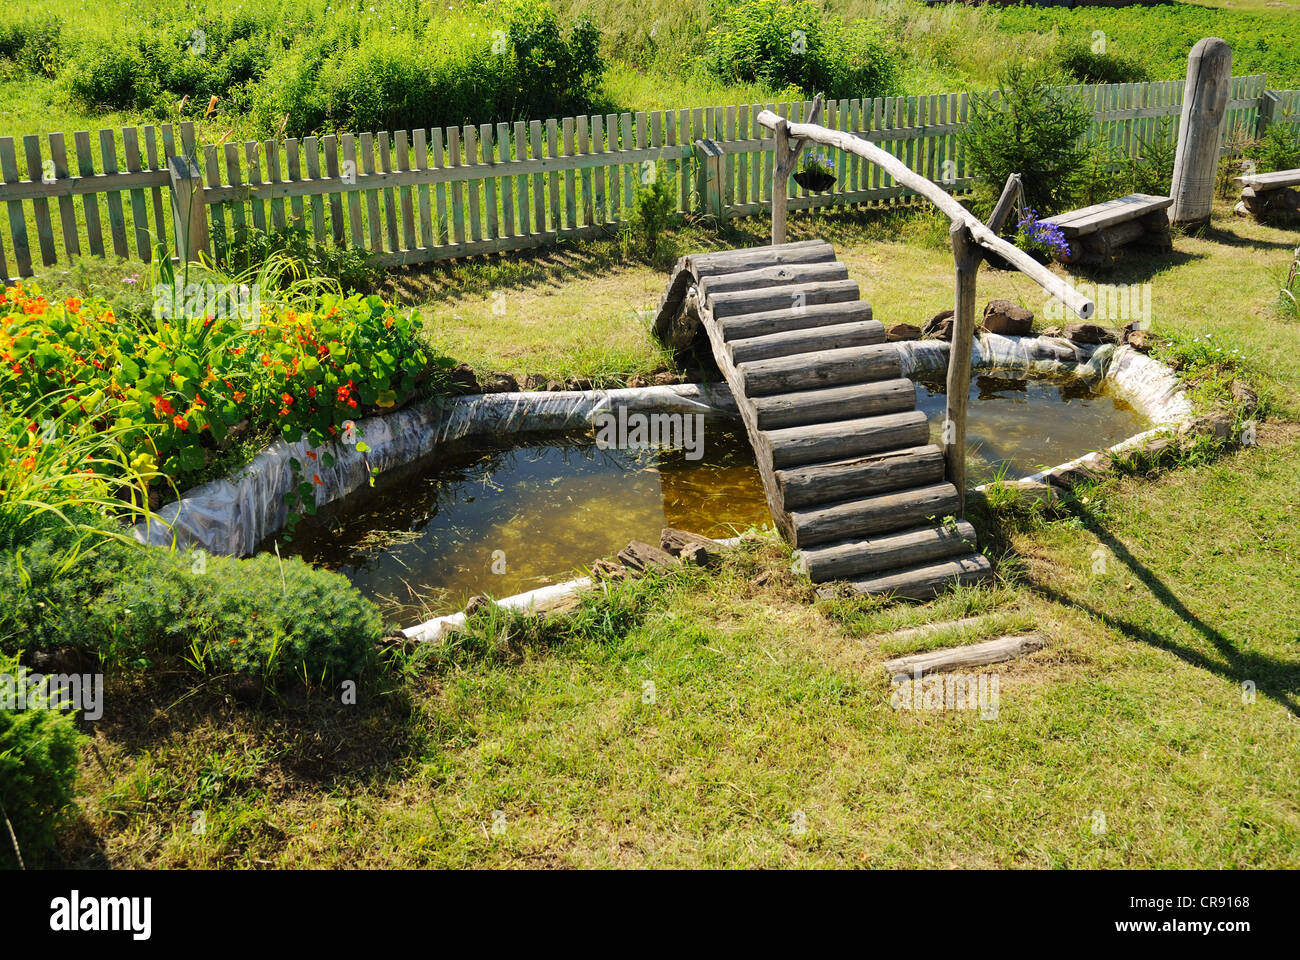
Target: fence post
<point>1200,133</point>
<point>966,256</point>
<point>1268,102</point>
<point>709,172</point>
<point>189,213</point>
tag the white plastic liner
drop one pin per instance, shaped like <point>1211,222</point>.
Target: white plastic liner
<point>233,515</point>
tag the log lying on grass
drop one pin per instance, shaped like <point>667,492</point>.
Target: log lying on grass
<point>972,655</point>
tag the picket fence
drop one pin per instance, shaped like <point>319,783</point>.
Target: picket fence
<point>414,196</point>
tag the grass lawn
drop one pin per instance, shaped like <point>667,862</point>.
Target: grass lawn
<point>730,719</point>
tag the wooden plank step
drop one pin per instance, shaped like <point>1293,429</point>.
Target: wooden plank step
<point>925,582</point>
<point>883,513</point>
<point>858,477</point>
<point>818,443</point>
<point>791,296</point>
<point>895,551</point>
<point>1263,182</point>
<point>807,341</point>
<point>755,258</point>
<point>828,368</point>
<point>779,276</point>
<point>970,655</point>
<point>834,403</point>
<point>782,321</point>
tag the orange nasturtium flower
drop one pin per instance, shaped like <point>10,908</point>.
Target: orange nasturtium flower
<point>239,396</point>
<point>181,423</point>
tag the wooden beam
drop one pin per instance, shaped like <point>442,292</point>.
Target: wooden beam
<point>967,259</point>
<point>850,143</point>
<point>1011,192</point>
<point>972,655</point>
<point>783,165</point>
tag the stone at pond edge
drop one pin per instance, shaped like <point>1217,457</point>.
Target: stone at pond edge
<point>498,382</point>
<point>554,386</point>
<point>534,381</point>
<point>1054,332</point>
<point>938,327</point>
<point>462,379</point>
<point>666,378</point>
<point>902,331</point>
<point>1245,396</point>
<point>1008,319</point>
<point>1089,333</point>
<point>1217,424</point>
<point>1139,340</point>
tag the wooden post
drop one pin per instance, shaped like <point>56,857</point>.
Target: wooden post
<point>966,256</point>
<point>1205,109</point>
<point>783,164</point>
<point>189,213</point>
<point>1268,103</point>
<point>709,179</point>
<point>1002,209</point>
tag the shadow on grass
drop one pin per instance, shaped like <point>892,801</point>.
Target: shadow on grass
<point>1273,678</point>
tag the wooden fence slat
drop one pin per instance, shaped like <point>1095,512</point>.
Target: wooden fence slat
<point>293,172</point>
<point>161,211</point>
<point>553,150</point>
<point>116,215</point>
<point>311,148</point>
<point>330,144</point>
<point>613,171</point>
<point>598,200</point>
<point>570,180</point>
<point>139,213</point>
<point>457,197</point>
<point>257,206</point>
<point>17,219</point>
<point>40,206</point>
<point>271,148</point>
<point>216,212</point>
<point>351,167</point>
<point>582,145</point>
<point>67,209</point>
<point>488,148</point>
<point>521,184</point>
<point>423,202</point>
<point>472,201</point>
<point>440,191</point>
<point>507,183</point>
<point>390,199</point>
<point>402,151</point>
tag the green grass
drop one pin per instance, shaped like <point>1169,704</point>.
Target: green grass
<point>768,703</point>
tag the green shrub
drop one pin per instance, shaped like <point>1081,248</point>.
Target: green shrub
<point>34,44</point>
<point>247,247</point>
<point>644,235</point>
<point>38,776</point>
<point>1084,66</point>
<point>277,620</point>
<point>784,43</point>
<point>1032,130</point>
<point>1278,149</point>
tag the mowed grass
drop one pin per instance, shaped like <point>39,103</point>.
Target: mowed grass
<point>729,718</point>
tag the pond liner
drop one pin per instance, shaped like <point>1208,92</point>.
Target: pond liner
<point>233,515</point>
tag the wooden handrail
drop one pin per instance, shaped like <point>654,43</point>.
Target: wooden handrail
<point>842,140</point>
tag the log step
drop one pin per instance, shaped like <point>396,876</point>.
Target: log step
<point>895,551</point>
<point>792,342</point>
<point>996,650</point>
<point>883,513</point>
<point>733,261</point>
<point>827,368</point>
<point>858,477</point>
<point>782,321</point>
<point>818,443</point>
<point>926,581</point>
<point>781,275</point>
<point>791,296</point>
<point>834,403</point>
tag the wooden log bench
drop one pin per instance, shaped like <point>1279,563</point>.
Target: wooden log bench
<point>1269,195</point>
<point>1096,232</point>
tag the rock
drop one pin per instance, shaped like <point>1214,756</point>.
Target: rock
<point>534,381</point>
<point>498,382</point>
<point>903,331</point>
<point>1245,396</point>
<point>1008,319</point>
<point>608,570</point>
<point>691,547</point>
<point>637,382</point>
<point>665,378</point>
<point>462,379</point>
<point>476,604</point>
<point>1218,425</point>
<point>938,327</point>
<point>580,383</point>
<point>554,386</point>
<point>1052,332</point>
<point>1089,333</point>
<point>1139,340</point>
<point>641,556</point>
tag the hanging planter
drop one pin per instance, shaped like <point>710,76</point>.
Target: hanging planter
<point>817,175</point>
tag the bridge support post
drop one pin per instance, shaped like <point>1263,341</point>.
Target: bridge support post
<point>966,256</point>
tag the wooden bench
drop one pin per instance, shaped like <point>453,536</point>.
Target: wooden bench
<point>1269,195</point>
<point>1095,232</point>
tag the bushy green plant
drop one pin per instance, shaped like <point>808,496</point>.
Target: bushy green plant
<point>1277,149</point>
<point>1033,130</point>
<point>1086,66</point>
<point>783,43</point>
<point>645,233</point>
<point>33,43</point>
<point>274,619</point>
<point>246,247</point>
<point>38,776</point>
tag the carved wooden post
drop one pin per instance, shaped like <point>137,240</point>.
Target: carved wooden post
<point>1205,108</point>
<point>783,164</point>
<point>966,256</point>
<point>189,213</point>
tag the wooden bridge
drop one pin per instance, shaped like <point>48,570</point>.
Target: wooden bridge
<point>848,468</point>
<point>846,460</point>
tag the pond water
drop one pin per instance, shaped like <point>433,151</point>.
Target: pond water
<point>504,516</point>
